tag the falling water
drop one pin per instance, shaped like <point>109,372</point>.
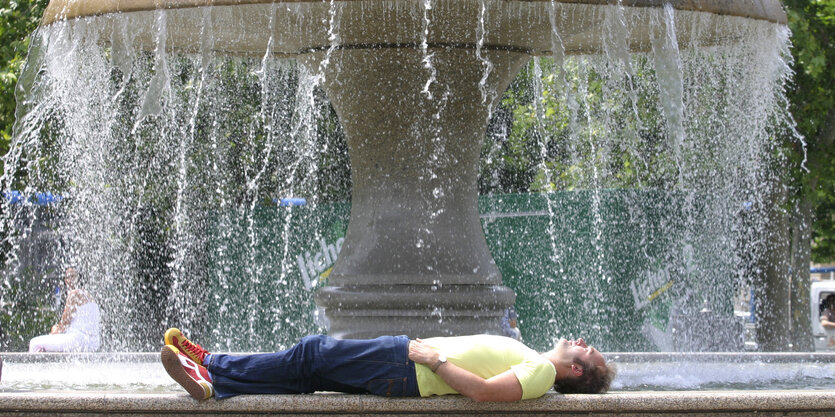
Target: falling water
<point>481,32</point>
<point>612,180</point>
<point>646,162</point>
<point>424,47</point>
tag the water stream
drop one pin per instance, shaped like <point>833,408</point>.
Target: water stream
<point>612,183</point>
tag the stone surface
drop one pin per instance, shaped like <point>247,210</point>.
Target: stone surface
<point>69,9</point>
<point>296,27</point>
<point>621,403</point>
<point>710,403</point>
<point>731,357</point>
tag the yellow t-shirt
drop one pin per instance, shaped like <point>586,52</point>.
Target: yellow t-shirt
<point>488,356</point>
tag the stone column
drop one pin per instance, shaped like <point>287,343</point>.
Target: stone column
<point>414,260</point>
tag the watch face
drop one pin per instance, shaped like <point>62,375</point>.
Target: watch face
<point>442,358</point>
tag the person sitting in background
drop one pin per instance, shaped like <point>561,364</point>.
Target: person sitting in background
<point>828,314</point>
<point>78,329</point>
<point>510,326</point>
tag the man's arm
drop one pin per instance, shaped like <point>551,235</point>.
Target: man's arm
<point>502,387</point>
<point>827,324</point>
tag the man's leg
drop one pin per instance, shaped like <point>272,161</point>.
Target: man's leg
<point>285,372</point>
<point>319,363</point>
<point>378,366</point>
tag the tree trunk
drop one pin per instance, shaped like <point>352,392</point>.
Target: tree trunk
<point>801,250</point>
<point>773,286</point>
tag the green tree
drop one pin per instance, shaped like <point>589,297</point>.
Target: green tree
<point>18,18</point>
<point>810,227</point>
<point>812,23</point>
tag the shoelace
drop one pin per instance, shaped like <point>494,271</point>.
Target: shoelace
<point>194,348</point>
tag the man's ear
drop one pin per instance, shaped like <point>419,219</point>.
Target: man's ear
<point>576,370</point>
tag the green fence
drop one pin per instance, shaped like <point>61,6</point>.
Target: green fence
<point>612,266</point>
<point>580,261</point>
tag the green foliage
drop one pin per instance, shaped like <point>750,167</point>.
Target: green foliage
<point>813,27</point>
<point>813,105</point>
<point>823,240</point>
<point>24,311</point>
<point>18,18</point>
<point>574,127</point>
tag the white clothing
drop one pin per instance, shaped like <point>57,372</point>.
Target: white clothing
<point>86,320</point>
<point>82,335</point>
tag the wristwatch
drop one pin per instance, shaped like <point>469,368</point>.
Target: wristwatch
<point>441,361</point>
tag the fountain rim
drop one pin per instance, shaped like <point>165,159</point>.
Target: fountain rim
<point>63,10</point>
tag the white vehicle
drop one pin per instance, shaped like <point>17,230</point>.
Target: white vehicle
<point>824,338</point>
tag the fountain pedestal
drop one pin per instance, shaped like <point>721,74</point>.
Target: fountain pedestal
<point>415,259</point>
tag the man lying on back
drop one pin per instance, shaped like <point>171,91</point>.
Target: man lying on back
<point>482,367</point>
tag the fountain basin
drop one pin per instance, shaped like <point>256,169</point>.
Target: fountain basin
<point>298,27</point>
<point>136,384</point>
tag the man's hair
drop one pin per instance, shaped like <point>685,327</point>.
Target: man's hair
<point>594,380</point>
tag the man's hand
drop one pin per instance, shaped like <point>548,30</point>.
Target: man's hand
<point>422,353</point>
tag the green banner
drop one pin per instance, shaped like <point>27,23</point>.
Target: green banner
<point>608,265</point>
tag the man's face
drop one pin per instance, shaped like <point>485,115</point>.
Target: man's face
<point>572,350</point>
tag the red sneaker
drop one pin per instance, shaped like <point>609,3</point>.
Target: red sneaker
<point>191,375</point>
<point>195,352</point>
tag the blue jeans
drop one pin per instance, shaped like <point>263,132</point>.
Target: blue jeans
<point>378,366</point>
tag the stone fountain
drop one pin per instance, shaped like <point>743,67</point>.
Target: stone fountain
<point>414,84</point>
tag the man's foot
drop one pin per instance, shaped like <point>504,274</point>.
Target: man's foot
<point>191,375</point>
<point>195,352</point>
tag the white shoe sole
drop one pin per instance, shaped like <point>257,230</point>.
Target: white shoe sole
<point>199,390</point>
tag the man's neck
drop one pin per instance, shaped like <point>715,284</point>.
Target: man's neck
<point>554,358</point>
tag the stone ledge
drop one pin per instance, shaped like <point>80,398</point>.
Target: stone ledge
<point>68,9</point>
<point>693,403</point>
<point>617,357</point>
<point>734,357</point>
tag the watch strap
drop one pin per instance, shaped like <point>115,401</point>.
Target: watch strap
<point>441,361</point>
